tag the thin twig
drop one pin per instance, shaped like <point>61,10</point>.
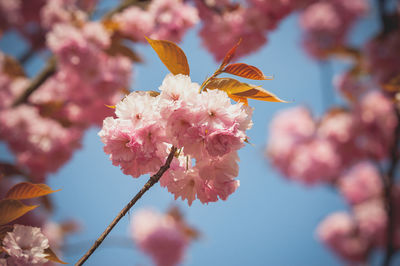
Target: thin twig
<point>27,55</point>
<point>388,192</point>
<point>47,72</point>
<point>153,179</point>
<point>50,68</point>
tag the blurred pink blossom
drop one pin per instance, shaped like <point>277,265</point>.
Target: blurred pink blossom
<point>339,232</point>
<point>362,182</point>
<point>160,237</point>
<point>26,245</point>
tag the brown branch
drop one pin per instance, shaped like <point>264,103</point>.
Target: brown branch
<point>26,56</point>
<point>50,68</point>
<point>153,180</point>
<point>388,193</point>
<point>47,72</point>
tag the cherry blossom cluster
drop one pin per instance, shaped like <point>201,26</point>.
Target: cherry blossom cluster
<point>342,149</point>
<point>206,128</point>
<point>352,236</point>
<point>44,134</point>
<point>314,152</point>
<point>162,19</point>
<point>350,147</point>
<point>25,245</point>
<point>327,24</point>
<point>164,237</point>
<point>27,238</point>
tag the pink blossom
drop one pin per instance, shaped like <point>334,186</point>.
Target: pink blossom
<point>26,245</point>
<point>382,60</point>
<point>60,11</point>
<point>217,111</point>
<point>350,85</point>
<point>360,183</point>
<point>164,20</point>
<point>274,10</point>
<point>184,183</point>
<point>221,142</point>
<point>135,23</point>
<point>371,219</point>
<point>139,108</point>
<point>95,33</point>
<point>327,24</point>
<point>73,49</point>
<point>218,174</point>
<point>314,162</point>
<point>42,145</point>
<point>206,128</point>
<point>209,180</point>
<point>172,18</point>
<point>10,13</point>
<point>160,237</point>
<point>377,123</point>
<point>178,91</point>
<point>288,129</point>
<point>341,128</point>
<point>339,232</point>
<point>135,150</point>
<point>221,32</point>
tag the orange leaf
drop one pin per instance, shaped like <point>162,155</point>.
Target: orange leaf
<point>111,25</point>
<point>11,209</point>
<point>239,99</point>
<point>110,106</point>
<point>239,91</point>
<point>245,71</point>
<point>12,67</point>
<point>26,190</point>
<point>50,255</point>
<point>171,55</point>
<point>228,57</point>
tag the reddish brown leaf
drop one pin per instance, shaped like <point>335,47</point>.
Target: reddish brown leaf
<point>111,25</point>
<point>171,55</point>
<point>50,255</point>
<point>231,53</point>
<point>26,190</point>
<point>240,91</point>
<point>245,71</point>
<point>12,67</point>
<point>11,209</point>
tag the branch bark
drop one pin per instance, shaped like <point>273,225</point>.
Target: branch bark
<point>388,193</point>
<point>153,180</point>
<point>50,67</point>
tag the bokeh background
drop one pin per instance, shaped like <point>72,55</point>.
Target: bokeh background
<point>267,221</point>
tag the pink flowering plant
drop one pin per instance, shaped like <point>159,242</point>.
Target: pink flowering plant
<point>187,135</point>
<point>199,121</point>
<point>353,147</point>
<point>164,237</point>
<point>24,244</point>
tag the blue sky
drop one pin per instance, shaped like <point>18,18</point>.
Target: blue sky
<point>267,221</point>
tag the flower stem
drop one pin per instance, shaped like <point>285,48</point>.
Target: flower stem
<point>152,180</point>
